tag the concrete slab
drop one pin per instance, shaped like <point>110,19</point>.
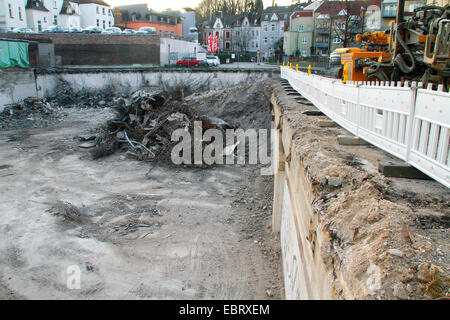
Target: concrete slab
<point>401,170</point>
<point>351,141</point>
<point>327,124</point>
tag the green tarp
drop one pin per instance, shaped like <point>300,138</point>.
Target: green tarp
<point>14,54</point>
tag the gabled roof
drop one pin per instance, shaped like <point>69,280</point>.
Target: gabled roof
<point>66,5</point>
<point>36,5</point>
<point>282,12</point>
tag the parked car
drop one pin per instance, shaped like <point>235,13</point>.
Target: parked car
<point>22,30</point>
<point>112,30</point>
<point>146,30</point>
<point>213,61</point>
<point>53,29</point>
<point>92,29</point>
<point>189,62</point>
<point>129,31</point>
<point>74,30</point>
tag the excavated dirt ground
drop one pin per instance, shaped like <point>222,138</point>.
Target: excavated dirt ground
<point>388,237</point>
<point>146,230</point>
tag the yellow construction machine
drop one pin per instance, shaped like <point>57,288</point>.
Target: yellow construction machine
<point>417,49</point>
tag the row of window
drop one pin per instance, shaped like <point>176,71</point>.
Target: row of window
<point>104,23</point>
<point>103,9</point>
<point>273,27</point>
<point>11,16</point>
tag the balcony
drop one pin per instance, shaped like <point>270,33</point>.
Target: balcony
<point>323,30</point>
<point>321,44</point>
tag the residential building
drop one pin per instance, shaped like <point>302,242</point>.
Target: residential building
<point>168,24</point>
<point>38,16</point>
<point>95,13</point>
<point>273,20</point>
<point>246,34</point>
<point>298,39</point>
<point>240,33</point>
<point>389,10</point>
<point>337,23</point>
<point>12,14</point>
<point>69,15</point>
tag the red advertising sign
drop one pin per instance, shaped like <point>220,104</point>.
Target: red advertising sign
<point>213,43</point>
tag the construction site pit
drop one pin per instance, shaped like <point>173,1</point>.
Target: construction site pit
<point>77,196</point>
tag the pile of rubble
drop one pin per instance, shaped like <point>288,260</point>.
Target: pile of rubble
<point>30,113</point>
<point>66,97</point>
<point>143,127</point>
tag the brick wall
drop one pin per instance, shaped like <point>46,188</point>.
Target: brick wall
<point>99,49</point>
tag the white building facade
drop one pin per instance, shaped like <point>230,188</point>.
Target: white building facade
<point>12,14</point>
<point>40,14</point>
<point>95,13</point>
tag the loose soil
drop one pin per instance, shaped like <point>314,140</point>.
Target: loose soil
<point>136,230</point>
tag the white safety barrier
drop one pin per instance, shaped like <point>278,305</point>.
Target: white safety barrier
<point>405,120</point>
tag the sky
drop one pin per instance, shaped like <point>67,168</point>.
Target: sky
<point>179,4</point>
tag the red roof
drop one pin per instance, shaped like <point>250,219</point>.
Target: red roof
<point>354,7</point>
<point>305,13</point>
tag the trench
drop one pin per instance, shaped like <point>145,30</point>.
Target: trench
<point>146,230</point>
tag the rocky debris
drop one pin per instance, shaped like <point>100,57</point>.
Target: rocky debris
<point>30,113</point>
<point>144,124</point>
<point>66,97</point>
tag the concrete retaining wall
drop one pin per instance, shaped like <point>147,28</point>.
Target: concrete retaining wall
<point>135,80</point>
<point>305,275</point>
<point>15,85</point>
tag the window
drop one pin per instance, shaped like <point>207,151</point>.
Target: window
<point>45,19</point>
<point>273,27</point>
<point>98,23</point>
<point>304,40</point>
<point>237,33</point>
<point>110,24</point>
<point>166,33</point>
<point>172,34</point>
<point>227,45</point>
<point>104,24</point>
<point>300,28</point>
<point>20,13</point>
<point>265,28</point>
<point>55,20</point>
<point>304,53</point>
<point>257,33</point>
<point>227,35</point>
<point>253,33</point>
<point>265,40</point>
<point>103,11</point>
<point>54,5</point>
<point>10,11</point>
<point>39,26</point>
<point>98,9</point>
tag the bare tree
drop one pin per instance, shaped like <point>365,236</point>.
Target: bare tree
<point>346,22</point>
<point>243,38</point>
